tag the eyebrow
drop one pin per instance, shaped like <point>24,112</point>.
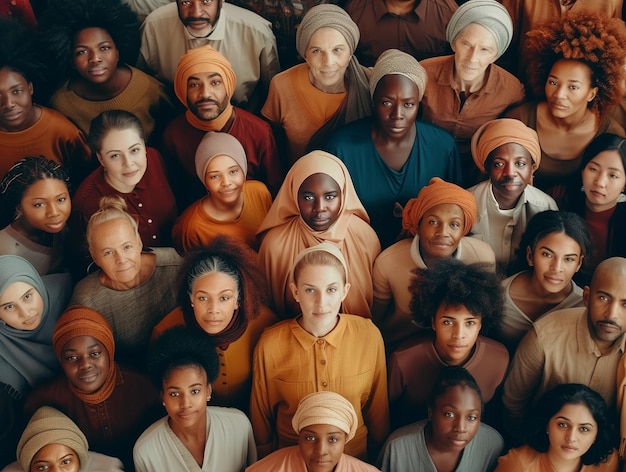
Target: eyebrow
<point>210,76</point>
<point>579,424</point>
<point>568,80</point>
<point>175,387</point>
<point>119,150</point>
<point>21,296</point>
<point>552,251</point>
<point>99,44</point>
<point>88,347</point>
<point>324,434</point>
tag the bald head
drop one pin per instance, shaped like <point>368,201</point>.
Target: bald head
<point>612,267</point>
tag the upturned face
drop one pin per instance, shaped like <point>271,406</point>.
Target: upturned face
<point>475,49</point>
<point>572,431</point>
<point>55,458</point>
<point>328,56</point>
<point>456,330</point>
<point>185,393</point>
<point>224,180</point>
<point>199,16</point>
<point>569,89</point>
<point>555,259</point>
<point>606,310</point>
<point>123,157</point>
<point>321,446</point>
<point>21,306</point>
<point>46,206</point>
<point>603,180</point>
<point>510,168</point>
<point>440,230</point>
<point>17,112</point>
<point>214,299</point>
<point>396,103</point>
<point>86,363</point>
<point>207,96</point>
<point>95,55</point>
<point>319,200</point>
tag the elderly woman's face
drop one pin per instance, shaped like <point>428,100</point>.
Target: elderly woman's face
<point>569,89</point>
<point>124,159</point>
<point>214,299</point>
<point>86,363</point>
<point>116,249</point>
<point>95,55</point>
<point>572,431</point>
<point>440,230</point>
<point>328,56</point>
<point>475,49</point>
<point>321,446</point>
<point>21,306</point>
<point>55,457</point>
<point>454,419</point>
<point>396,102</point>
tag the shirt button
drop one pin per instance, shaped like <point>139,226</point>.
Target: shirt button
<point>149,220</point>
<point>324,384</point>
<point>154,236</point>
<point>320,341</point>
<point>323,362</point>
<point>596,380</point>
<point>140,205</point>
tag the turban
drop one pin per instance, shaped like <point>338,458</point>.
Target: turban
<point>325,408</point>
<point>495,133</point>
<point>215,144</point>
<point>50,426</point>
<point>487,13</point>
<point>83,321</point>
<point>438,192</point>
<point>326,247</point>
<point>326,15</point>
<point>396,62</point>
<point>204,60</point>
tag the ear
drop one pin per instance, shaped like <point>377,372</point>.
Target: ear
<point>580,262</point>
<point>586,293</point>
<point>346,289</point>
<point>100,159</point>
<point>209,391</point>
<point>31,89</point>
<point>529,256</point>
<point>430,413</point>
<point>432,324</point>
<point>592,94</point>
<point>294,291</point>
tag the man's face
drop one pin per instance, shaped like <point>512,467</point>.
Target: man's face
<point>199,16</point>
<point>206,95</point>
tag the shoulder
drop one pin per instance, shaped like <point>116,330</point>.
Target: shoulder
<point>434,64</point>
<point>360,326</point>
<point>164,14</point>
<point>154,432</point>
<point>237,15</point>
<point>250,120</point>
<point>407,434</point>
<point>537,197</point>
<point>523,456</point>
<point>166,256</point>
<point>60,121</point>
<point>560,321</point>
<point>276,331</point>
<point>355,128</point>
<point>233,422</point>
<point>397,252</point>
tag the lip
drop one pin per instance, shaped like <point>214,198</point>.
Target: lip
<point>213,322</point>
<point>228,193</point>
<point>56,226</point>
<point>553,280</point>
<point>11,116</point>
<point>132,174</point>
<point>457,347</point>
<point>88,377</point>
<point>558,106</point>
<point>186,415</point>
<point>320,314</point>
<point>596,194</point>
<point>459,442</point>
<point>606,327</point>
<point>569,449</point>
<point>30,320</point>
<point>97,71</point>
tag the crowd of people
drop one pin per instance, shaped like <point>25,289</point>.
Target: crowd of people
<point>291,236</point>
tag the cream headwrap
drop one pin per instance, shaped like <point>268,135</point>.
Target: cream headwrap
<point>326,408</point>
<point>50,426</point>
<point>489,14</point>
<point>396,62</point>
<point>219,144</point>
<point>495,133</point>
<point>326,247</point>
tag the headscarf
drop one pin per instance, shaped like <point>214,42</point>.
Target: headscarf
<point>490,14</point>
<point>26,357</point>
<point>326,408</point>
<point>396,62</point>
<point>495,133</point>
<point>215,144</point>
<point>439,192</point>
<point>326,247</point>
<point>50,426</point>
<point>83,321</point>
<point>357,104</point>
<point>204,60</point>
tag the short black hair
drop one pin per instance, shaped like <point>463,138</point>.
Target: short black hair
<point>452,376</point>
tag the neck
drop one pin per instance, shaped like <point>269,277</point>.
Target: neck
<point>224,211</point>
<point>339,87</point>
<point>598,208</point>
<point>105,91</point>
<point>401,7</point>
<point>538,290</point>
<point>571,122</point>
<point>504,203</point>
<point>318,328</point>
<point>469,87</point>
<point>36,235</point>
<point>195,432</point>
<point>117,186</point>
<point>563,465</point>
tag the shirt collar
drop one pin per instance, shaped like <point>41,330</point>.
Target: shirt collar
<point>307,340</point>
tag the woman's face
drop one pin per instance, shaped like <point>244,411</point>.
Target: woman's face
<point>572,431</point>
<point>396,103</point>
<point>224,180</point>
<point>17,112</point>
<point>123,157</point>
<point>321,446</point>
<point>214,299</point>
<point>475,49</point>
<point>555,259</point>
<point>328,56</point>
<point>456,330</point>
<point>55,458</point>
<point>319,201</point>
<point>46,205</point>
<point>21,306</point>
<point>569,89</point>
<point>95,55</point>
<point>455,418</point>
<point>116,249</point>
<point>86,363</point>
<point>603,180</point>
<point>440,230</point>
<point>185,394</point>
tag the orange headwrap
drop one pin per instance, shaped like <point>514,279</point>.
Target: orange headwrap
<point>495,133</point>
<point>82,321</point>
<point>438,192</point>
<point>204,60</point>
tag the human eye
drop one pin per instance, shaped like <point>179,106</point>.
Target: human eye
<point>105,48</point>
<point>330,196</point>
<point>574,87</point>
<point>386,103</point>
<point>28,297</point>
<point>552,82</point>
<point>472,418</point>
<point>447,322</point>
<point>432,222</point>
<point>8,307</point>
<point>224,298</point>
<point>114,156</point>
<point>128,247</point>
<point>470,323</point>
<point>333,439</point>
<point>448,414</point>
<point>18,91</point>
<point>195,391</point>
<point>80,52</point>
<point>614,176</point>
<point>70,358</point>
<point>135,150</point>
<point>95,354</point>
<point>307,197</point>
<point>498,164</point>
<point>207,2</point>
<point>174,394</point>
<point>39,205</point>
<point>234,171</point>
<point>202,298</point>
<point>309,438</point>
<point>585,429</point>
<point>570,259</point>
<point>332,289</point>
<point>455,224</point>
<point>409,105</point>
<point>107,252</point>
<point>604,298</point>
<point>521,164</point>
<point>43,467</point>
<point>545,254</point>
<point>309,290</point>
<point>66,461</point>
<point>61,199</point>
<point>216,82</point>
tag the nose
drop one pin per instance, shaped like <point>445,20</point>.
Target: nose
<point>557,264</point>
<point>460,424</point>
<point>120,258</point>
<point>318,205</point>
<point>52,209</point>
<point>561,91</point>
<point>94,55</point>
<point>6,101</point>
<point>185,401</point>
<point>84,362</point>
<point>320,447</point>
<point>472,54</point>
<point>601,179</point>
<point>196,10</point>
<point>509,169</point>
<point>458,332</point>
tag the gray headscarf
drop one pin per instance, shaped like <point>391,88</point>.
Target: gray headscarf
<point>396,62</point>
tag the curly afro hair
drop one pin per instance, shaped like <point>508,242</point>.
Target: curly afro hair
<point>589,37</point>
<point>451,282</point>
<point>64,19</point>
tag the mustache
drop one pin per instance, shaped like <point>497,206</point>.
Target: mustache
<point>206,100</point>
<point>609,322</point>
<point>507,180</point>
<point>190,19</point>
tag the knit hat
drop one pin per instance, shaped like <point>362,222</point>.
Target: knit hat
<point>439,192</point>
<point>219,144</point>
<point>50,426</point>
<point>396,62</point>
<point>488,13</point>
<point>326,247</point>
<point>326,15</point>
<point>326,408</point>
<point>495,133</point>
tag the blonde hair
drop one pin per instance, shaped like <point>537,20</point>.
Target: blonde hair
<point>320,258</point>
<point>112,207</point>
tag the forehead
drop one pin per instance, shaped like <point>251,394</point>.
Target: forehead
<point>454,311</point>
<point>396,84</point>
<point>326,35</point>
<point>204,75</point>
<point>44,187</point>
<point>81,342</point>
<point>319,183</point>
<point>15,290</point>
<point>477,33</point>
<point>9,78</point>
<point>611,280</point>
<point>460,397</point>
<point>88,35</point>
<point>510,151</point>
<point>567,69</point>
<point>610,159</point>
<point>445,210</point>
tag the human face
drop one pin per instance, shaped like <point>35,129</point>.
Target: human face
<point>604,179</point>
<point>86,363</point>
<point>569,89</point>
<point>199,16</point>
<point>116,249</point>
<point>186,392</point>
<point>456,331</point>
<point>55,458</point>
<point>214,298</point>
<point>320,289</point>
<point>328,56</point>
<point>224,180</point>
<point>605,301</point>
<point>16,102</point>
<point>455,418</point>
<point>21,306</point>
<point>510,167</point>
<point>319,201</point>
<point>440,230</point>
<point>555,259</point>
<point>206,95</point>
<point>396,103</point>
<point>123,156</point>
<point>474,49</point>
<point>95,55</point>
<point>46,205</point>
<point>321,446</point>
<point>571,432</point>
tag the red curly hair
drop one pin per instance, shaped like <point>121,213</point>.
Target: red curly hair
<point>589,37</point>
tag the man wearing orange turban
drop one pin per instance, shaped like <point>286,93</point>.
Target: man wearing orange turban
<point>508,151</point>
<point>205,82</point>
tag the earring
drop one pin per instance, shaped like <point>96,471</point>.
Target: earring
<point>192,305</point>
<point>163,403</point>
<point>582,188</point>
<point>208,399</point>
